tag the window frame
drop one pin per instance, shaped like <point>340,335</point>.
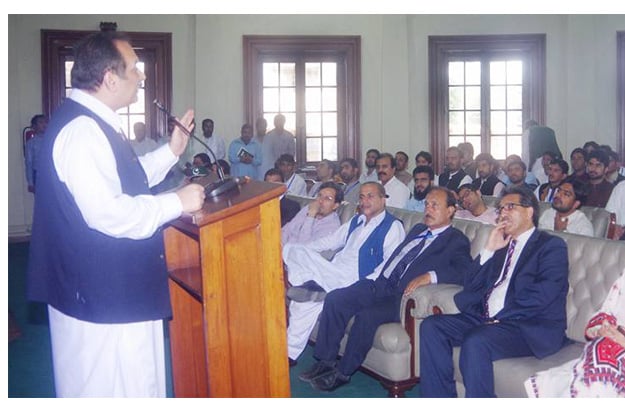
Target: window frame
<point>151,47</point>
<point>620,90</point>
<point>257,49</point>
<point>441,49</point>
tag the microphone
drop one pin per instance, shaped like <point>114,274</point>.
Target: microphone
<point>224,183</point>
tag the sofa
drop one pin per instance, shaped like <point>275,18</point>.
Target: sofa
<point>594,264</point>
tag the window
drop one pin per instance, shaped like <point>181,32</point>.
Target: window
<point>154,52</point>
<point>482,89</point>
<point>315,83</point>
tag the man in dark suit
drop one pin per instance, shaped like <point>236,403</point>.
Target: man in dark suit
<point>513,304</point>
<point>432,252</point>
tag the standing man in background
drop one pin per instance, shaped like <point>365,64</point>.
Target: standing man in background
<point>39,124</point>
<point>217,144</point>
<point>245,154</point>
<point>97,254</point>
<point>279,140</point>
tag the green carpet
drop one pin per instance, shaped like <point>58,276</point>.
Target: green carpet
<point>30,361</point>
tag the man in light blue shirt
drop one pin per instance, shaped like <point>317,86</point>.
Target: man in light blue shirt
<point>422,176</point>
<point>245,154</point>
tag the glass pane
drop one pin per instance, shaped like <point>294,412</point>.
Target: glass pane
<point>498,147</point>
<point>515,123</point>
<point>473,98</point>
<point>68,72</point>
<point>125,127</point>
<point>476,141</point>
<point>515,97</point>
<point>498,122</point>
<point>456,122</point>
<point>287,74</point>
<point>473,73</point>
<point>290,121</point>
<point>456,98</point>
<point>270,74</point>
<point>271,100</point>
<point>313,99</point>
<point>313,149</point>
<point>456,73</point>
<point>329,74</point>
<point>329,99</point>
<point>313,124</point>
<point>313,73</point>
<point>330,148</point>
<point>454,140</point>
<point>287,99</point>
<point>498,97</point>
<point>474,122</point>
<point>514,145</point>
<point>497,73</point>
<point>329,124</point>
<point>515,73</point>
<point>139,106</point>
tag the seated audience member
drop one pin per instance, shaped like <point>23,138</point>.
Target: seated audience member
<point>370,174</point>
<point>487,181</point>
<point>326,170</point>
<point>517,175</point>
<point>245,154</point>
<point>364,244</point>
<point>564,214</point>
<point>473,206</point>
<point>590,146</point>
<point>600,188</point>
<point>600,370</point>
<point>542,171</point>
<point>616,205</point>
<point>612,171</point>
<point>423,179</point>
<point>202,166</point>
<point>295,184</point>
<point>578,164</point>
<point>423,158</point>
<point>398,193</point>
<point>558,170</point>
<point>453,176</point>
<point>401,172</point>
<point>513,304</point>
<point>350,173</point>
<point>225,167</point>
<point>468,164</point>
<point>318,218</point>
<point>288,207</point>
<point>432,252</point>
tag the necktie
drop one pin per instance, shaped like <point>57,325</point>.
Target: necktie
<point>398,271</point>
<point>504,275</point>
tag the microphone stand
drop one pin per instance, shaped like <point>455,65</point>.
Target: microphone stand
<point>224,184</point>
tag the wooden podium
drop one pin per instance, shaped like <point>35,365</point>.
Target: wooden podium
<point>228,332</point>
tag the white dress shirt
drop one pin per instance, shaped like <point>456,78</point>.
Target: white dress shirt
<point>498,295</point>
<point>398,193</point>
<point>84,161</point>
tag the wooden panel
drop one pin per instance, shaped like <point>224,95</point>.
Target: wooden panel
<point>186,331</point>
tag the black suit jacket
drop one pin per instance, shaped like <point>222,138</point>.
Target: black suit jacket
<point>536,296</point>
<point>449,255</point>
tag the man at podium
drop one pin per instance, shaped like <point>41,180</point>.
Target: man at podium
<point>97,254</point>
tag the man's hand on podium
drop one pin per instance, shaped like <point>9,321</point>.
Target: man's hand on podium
<point>192,197</point>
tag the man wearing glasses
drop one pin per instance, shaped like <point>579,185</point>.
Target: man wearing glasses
<point>318,218</point>
<point>513,304</point>
<point>364,244</point>
<point>434,251</point>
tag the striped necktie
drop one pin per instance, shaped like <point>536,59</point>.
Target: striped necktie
<point>400,268</point>
<point>504,275</point>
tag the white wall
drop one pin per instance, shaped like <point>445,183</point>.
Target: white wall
<point>207,49</point>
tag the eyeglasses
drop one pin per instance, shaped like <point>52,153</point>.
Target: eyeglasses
<point>328,198</point>
<point>508,207</point>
